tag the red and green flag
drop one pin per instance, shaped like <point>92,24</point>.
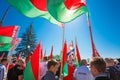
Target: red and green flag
<point>33,8</point>
<point>66,10</point>
<point>32,69</point>
<point>64,61</point>
<point>7,33</point>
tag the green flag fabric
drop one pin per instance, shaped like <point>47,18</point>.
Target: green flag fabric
<point>32,70</point>
<point>28,73</point>
<point>5,39</point>
<point>33,8</point>
<point>66,10</point>
<point>5,47</point>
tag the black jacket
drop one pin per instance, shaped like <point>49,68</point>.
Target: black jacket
<point>102,78</point>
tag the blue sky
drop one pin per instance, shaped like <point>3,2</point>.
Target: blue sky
<point>105,22</point>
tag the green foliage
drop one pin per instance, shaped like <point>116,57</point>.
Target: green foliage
<point>28,42</point>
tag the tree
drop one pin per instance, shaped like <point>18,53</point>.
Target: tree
<point>28,42</point>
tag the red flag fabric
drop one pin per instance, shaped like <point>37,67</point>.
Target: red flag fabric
<point>9,31</point>
<point>94,51</point>
<point>64,60</point>
<point>19,56</point>
<point>51,53</point>
<point>78,53</point>
<point>70,73</point>
<point>35,61</point>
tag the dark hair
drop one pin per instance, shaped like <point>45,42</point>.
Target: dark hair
<point>99,64</point>
<point>3,60</point>
<point>84,62</point>
<point>51,63</point>
<point>45,58</point>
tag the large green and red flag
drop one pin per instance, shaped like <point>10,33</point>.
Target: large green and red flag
<point>7,34</point>
<point>32,69</point>
<point>33,8</point>
<point>64,61</point>
<point>66,10</point>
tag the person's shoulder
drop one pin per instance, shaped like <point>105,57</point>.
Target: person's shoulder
<point>2,66</point>
<point>83,68</point>
<point>48,76</point>
<point>17,67</point>
<point>102,78</point>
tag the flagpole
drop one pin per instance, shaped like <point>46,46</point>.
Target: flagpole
<point>63,34</point>
<point>5,14</point>
<point>75,45</point>
<point>91,37</point>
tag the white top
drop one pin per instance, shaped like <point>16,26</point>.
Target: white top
<point>43,69</point>
<point>3,72</point>
<point>82,73</point>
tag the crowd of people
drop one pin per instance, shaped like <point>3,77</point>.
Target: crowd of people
<point>98,69</point>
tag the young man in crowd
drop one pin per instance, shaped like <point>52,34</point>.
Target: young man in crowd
<point>52,66</point>
<point>98,68</point>
<point>112,69</point>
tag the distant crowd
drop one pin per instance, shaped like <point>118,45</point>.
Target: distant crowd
<point>98,69</point>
